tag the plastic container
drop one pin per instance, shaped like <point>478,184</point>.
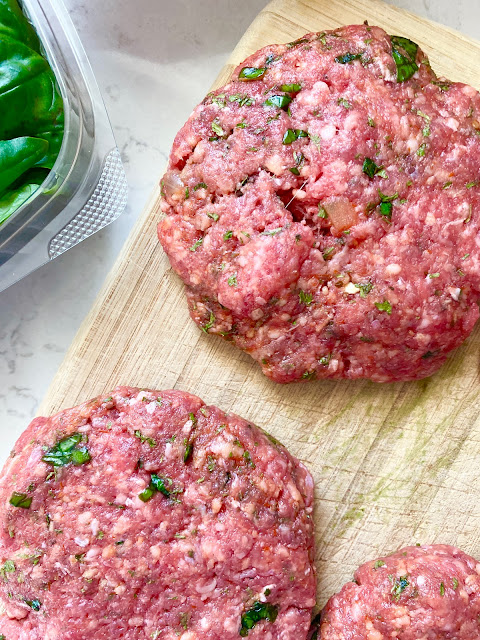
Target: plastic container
<point>87,188</point>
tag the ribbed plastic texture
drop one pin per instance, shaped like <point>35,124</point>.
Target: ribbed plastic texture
<point>106,204</point>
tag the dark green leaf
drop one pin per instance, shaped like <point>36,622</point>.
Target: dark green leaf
<point>348,57</point>
<point>67,451</point>
<point>17,156</point>
<point>370,167</point>
<point>404,52</point>
<point>251,73</point>
<point>36,605</point>
<point>31,107</point>
<point>293,134</point>
<point>386,209</point>
<point>159,483</point>
<point>278,101</point>
<point>259,611</point>
<point>21,500</point>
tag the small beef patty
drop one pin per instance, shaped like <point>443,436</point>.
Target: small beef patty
<point>146,515</point>
<point>323,209</point>
<point>427,593</point>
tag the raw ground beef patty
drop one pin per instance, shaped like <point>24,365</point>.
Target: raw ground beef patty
<point>323,209</point>
<point>418,593</point>
<point>148,515</point>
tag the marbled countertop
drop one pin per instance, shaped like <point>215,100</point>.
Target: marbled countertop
<point>154,61</point>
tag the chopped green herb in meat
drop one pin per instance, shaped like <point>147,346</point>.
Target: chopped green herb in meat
<point>259,611</point>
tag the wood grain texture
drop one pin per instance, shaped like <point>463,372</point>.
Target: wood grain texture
<point>394,464</point>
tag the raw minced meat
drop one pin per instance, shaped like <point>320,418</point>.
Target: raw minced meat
<point>147,514</point>
<point>322,209</point>
<point>428,593</point>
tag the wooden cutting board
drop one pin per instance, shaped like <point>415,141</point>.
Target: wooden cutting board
<point>394,464</point>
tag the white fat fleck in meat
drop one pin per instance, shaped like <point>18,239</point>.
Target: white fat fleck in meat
<point>82,542</point>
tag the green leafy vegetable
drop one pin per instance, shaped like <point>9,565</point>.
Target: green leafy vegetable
<point>210,323</point>
<point>372,169</point>
<point>68,451</point>
<point>196,244</point>
<point>348,57</point>
<point>278,101</point>
<point>291,88</point>
<point>151,442</point>
<point>404,52</point>
<point>36,605</point>
<point>251,73</point>
<point>365,288</point>
<point>32,121</point>
<point>242,99</point>
<point>157,485</point>
<point>293,134</point>
<point>305,298</point>
<point>399,586</point>
<point>259,611</point>
<point>21,500</point>
<point>344,103</point>
<point>216,128</point>
<point>384,306</point>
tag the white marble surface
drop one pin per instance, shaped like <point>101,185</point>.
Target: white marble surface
<point>154,61</point>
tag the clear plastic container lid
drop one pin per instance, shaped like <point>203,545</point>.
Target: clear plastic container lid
<point>87,188</point>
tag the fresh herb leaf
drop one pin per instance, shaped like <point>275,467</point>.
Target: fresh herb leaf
<point>68,451</point>
<point>213,216</point>
<point>210,323</point>
<point>200,185</point>
<point>291,88</point>
<point>344,103</point>
<point>138,434</point>
<point>399,586</point>
<point>348,57</point>
<point>21,500</point>
<point>378,564</point>
<point>305,298</point>
<point>243,100</point>
<point>295,43</point>
<point>404,53</point>
<point>157,485</point>
<point>371,169</point>
<point>328,253</point>
<point>188,450</point>
<point>365,288</point>
<point>251,73</point>
<point>259,611</point>
<point>384,306</point>
<point>227,235</point>
<point>293,134</point>
<point>278,102</point>
<point>272,232</point>
<point>442,589</point>
<point>421,150</point>
<point>322,213</point>
<point>232,281</point>
<point>36,605</point>
<point>196,244</point>
<point>371,122</point>
<point>216,128</point>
